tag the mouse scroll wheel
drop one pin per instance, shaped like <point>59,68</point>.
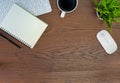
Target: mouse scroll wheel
<point>102,35</point>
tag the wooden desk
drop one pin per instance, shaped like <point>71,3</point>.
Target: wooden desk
<point>68,52</point>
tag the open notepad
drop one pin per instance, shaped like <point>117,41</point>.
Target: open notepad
<point>23,26</point>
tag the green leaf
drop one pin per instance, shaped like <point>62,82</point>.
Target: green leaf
<point>109,10</point>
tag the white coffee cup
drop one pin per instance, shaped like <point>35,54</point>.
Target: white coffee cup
<point>67,6</point>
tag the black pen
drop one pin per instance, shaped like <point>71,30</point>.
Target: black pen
<point>10,41</point>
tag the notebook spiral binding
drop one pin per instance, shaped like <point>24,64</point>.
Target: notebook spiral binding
<point>16,37</point>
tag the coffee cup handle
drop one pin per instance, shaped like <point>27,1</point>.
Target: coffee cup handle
<point>62,14</point>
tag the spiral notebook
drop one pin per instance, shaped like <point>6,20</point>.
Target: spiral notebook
<point>23,26</point>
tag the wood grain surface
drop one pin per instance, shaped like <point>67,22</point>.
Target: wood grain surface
<point>67,52</point>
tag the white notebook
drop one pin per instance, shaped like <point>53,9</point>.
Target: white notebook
<point>23,26</point>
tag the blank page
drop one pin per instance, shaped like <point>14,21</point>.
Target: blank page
<point>23,26</point>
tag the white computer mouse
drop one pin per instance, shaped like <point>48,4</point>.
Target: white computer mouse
<point>107,41</point>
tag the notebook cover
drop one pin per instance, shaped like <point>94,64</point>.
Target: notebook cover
<point>23,26</point>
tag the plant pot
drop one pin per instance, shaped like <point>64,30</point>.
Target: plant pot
<point>97,13</point>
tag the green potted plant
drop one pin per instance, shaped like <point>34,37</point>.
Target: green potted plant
<point>108,11</point>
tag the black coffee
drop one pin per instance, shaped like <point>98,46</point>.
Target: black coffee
<point>67,5</point>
